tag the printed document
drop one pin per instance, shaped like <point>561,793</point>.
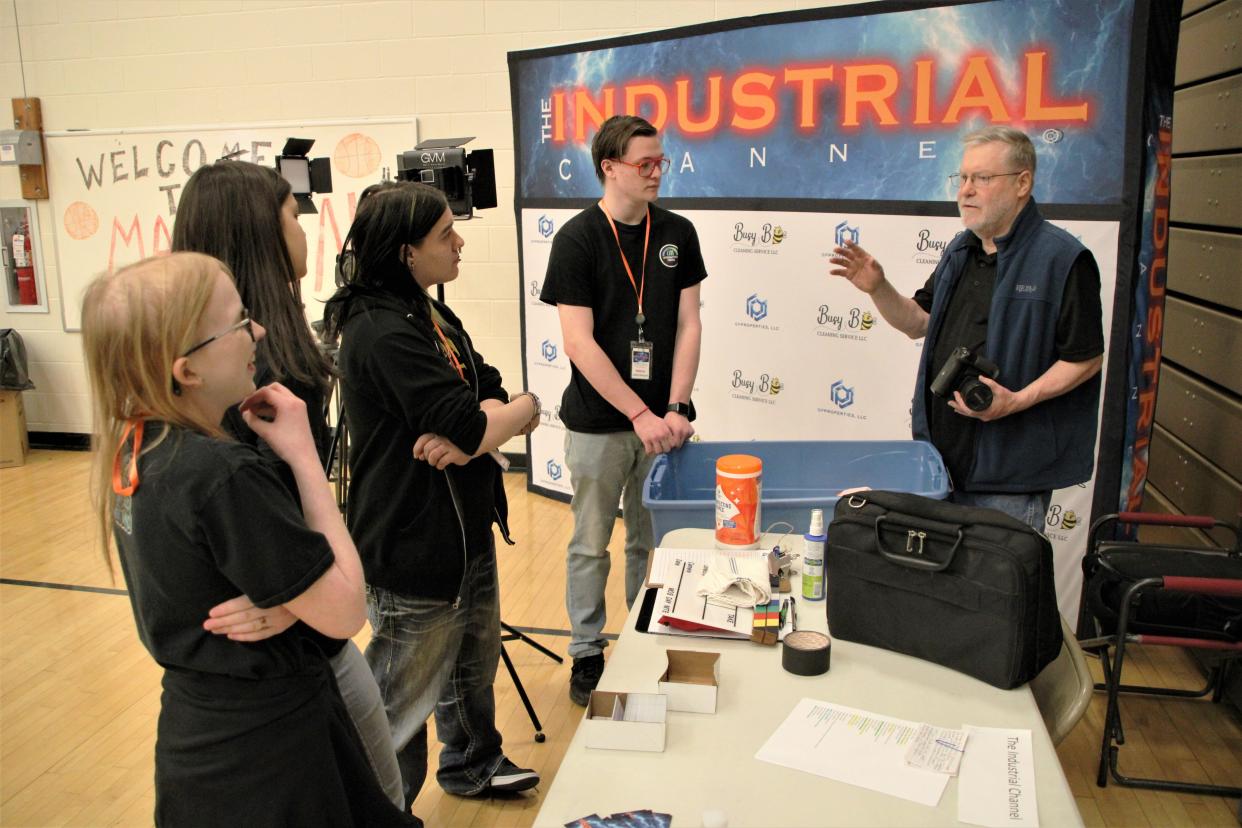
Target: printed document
<point>996,784</point>
<point>855,747</point>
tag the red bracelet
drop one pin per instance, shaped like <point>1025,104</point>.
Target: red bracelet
<point>644,410</point>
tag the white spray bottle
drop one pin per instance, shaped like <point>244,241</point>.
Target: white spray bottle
<point>813,558</point>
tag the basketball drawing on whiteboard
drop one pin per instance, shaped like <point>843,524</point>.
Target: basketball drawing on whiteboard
<point>81,220</point>
<point>356,155</point>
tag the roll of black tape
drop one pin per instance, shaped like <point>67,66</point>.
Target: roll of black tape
<point>806,653</point>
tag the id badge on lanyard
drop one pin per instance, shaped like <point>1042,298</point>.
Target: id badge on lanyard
<point>641,351</point>
<point>640,360</point>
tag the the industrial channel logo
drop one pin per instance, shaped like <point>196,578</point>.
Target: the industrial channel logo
<point>756,308</point>
<point>842,396</point>
<point>845,233</point>
<point>548,350</point>
<point>554,470</point>
<point>545,226</point>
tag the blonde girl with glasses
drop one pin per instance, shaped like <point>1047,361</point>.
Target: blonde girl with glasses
<point>251,731</point>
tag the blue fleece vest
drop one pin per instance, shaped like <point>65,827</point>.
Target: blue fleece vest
<point>1050,445</point>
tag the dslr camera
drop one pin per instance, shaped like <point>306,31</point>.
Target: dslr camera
<point>961,373</point>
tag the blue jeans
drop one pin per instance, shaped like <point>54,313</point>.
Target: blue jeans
<point>366,710</point>
<point>429,657</point>
<point>1028,508</point>
<point>603,469</point>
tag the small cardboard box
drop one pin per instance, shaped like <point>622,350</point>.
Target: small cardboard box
<point>691,681</point>
<point>625,721</point>
<point>14,442</point>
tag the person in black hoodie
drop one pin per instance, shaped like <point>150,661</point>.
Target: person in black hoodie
<point>426,415</point>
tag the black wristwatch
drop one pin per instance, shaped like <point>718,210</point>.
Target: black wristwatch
<point>679,408</point>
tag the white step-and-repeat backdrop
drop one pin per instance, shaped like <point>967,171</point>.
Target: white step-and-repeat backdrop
<point>791,132</point>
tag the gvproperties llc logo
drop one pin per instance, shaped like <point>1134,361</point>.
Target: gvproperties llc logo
<point>756,308</point>
<point>763,238</point>
<point>546,227</point>
<point>555,470</point>
<point>756,314</point>
<point>761,388</point>
<point>549,352</point>
<point>845,233</point>
<point>841,400</point>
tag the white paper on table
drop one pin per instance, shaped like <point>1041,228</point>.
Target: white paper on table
<point>678,599</point>
<point>663,556</point>
<point>996,784</point>
<point>937,749</point>
<point>855,747</point>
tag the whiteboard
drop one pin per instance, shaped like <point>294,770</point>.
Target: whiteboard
<point>114,192</point>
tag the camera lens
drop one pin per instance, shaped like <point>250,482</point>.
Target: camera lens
<point>977,395</point>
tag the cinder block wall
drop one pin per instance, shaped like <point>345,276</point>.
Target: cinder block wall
<point>143,63</point>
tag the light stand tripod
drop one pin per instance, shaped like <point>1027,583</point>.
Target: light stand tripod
<point>511,634</point>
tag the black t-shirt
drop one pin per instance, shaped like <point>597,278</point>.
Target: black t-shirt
<point>585,269</point>
<point>209,521</point>
<point>966,324</point>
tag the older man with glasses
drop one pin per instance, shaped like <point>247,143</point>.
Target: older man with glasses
<point>1018,299</point>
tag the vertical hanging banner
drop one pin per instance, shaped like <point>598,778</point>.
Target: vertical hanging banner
<point>791,133</point>
<point>1153,243</point>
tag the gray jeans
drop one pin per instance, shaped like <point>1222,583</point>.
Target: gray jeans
<point>603,469</point>
<point>366,710</point>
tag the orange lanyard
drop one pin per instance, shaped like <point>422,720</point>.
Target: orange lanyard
<point>449,351</point>
<point>136,428</point>
<point>641,283</point>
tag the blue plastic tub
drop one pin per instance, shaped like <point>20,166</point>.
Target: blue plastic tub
<point>798,476</point>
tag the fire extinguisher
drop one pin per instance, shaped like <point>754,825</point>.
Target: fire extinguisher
<point>23,259</point>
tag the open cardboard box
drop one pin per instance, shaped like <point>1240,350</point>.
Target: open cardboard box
<point>691,681</point>
<point>625,721</point>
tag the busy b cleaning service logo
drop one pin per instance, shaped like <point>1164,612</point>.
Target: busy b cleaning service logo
<point>760,388</point>
<point>843,323</point>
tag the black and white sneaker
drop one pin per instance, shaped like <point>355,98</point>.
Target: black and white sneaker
<point>509,778</point>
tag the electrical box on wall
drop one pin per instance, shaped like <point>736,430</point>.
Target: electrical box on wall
<point>21,258</point>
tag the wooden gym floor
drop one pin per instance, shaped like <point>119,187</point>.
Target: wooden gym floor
<point>79,696</point>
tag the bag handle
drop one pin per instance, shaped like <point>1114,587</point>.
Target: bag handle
<point>916,535</point>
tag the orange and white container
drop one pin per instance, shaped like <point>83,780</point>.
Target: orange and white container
<point>739,489</point>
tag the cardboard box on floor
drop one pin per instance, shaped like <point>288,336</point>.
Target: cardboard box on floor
<point>625,721</point>
<point>14,442</point>
<point>691,681</point>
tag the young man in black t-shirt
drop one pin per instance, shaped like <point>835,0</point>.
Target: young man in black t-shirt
<point>624,275</point>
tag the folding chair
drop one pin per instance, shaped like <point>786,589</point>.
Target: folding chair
<point>1162,595</point>
<point>1063,689</point>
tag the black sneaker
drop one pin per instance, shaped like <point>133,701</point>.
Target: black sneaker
<point>509,778</point>
<point>584,676</point>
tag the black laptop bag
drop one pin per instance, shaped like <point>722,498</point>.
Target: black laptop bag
<point>971,589</point>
